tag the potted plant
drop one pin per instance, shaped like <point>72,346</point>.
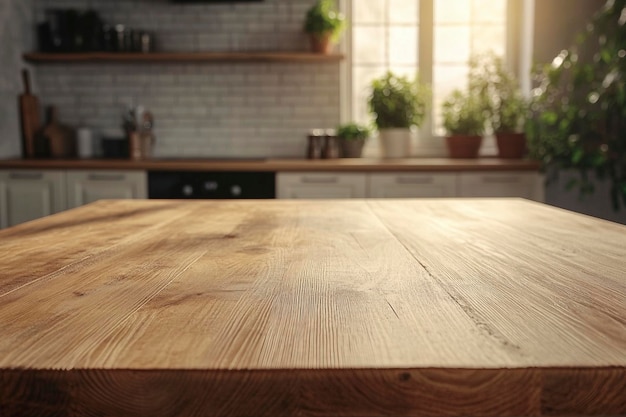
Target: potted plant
<point>398,104</point>
<point>323,24</point>
<point>464,118</point>
<point>504,103</point>
<point>352,137</point>
<point>578,110</point>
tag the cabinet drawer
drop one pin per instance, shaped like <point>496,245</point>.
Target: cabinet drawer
<point>501,184</point>
<point>30,194</point>
<point>412,185</point>
<point>320,185</point>
<point>88,186</point>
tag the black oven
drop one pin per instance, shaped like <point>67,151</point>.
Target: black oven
<point>211,184</point>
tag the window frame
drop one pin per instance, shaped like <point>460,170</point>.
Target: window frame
<point>519,46</point>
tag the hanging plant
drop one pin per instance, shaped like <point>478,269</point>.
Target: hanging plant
<point>578,111</point>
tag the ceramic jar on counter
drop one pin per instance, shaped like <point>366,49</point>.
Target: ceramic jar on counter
<point>322,144</point>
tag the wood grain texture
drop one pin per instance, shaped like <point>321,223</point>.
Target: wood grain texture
<point>280,393</point>
<point>313,308</point>
<point>284,165</point>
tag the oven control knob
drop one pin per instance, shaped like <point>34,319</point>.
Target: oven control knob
<point>210,186</point>
<point>235,190</point>
<point>187,190</point>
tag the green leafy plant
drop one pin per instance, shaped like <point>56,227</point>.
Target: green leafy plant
<point>353,131</point>
<point>464,113</point>
<point>578,110</point>
<point>323,18</point>
<point>499,91</point>
<point>398,102</point>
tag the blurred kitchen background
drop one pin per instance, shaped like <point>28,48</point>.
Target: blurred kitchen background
<point>218,110</point>
<point>201,110</point>
<point>256,109</point>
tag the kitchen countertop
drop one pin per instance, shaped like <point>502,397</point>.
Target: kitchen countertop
<point>451,307</point>
<point>282,165</point>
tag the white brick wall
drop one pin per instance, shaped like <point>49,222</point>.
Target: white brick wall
<point>16,22</point>
<point>202,109</point>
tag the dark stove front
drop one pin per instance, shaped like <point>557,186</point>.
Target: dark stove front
<point>211,185</point>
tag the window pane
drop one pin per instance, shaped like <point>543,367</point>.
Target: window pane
<point>449,77</point>
<point>402,11</point>
<point>368,45</point>
<point>452,44</point>
<point>488,38</point>
<point>462,29</point>
<point>407,71</point>
<point>446,78</point>
<point>368,11</point>
<point>385,37</point>
<point>489,11</point>
<point>403,45</point>
<point>452,11</point>
<point>362,78</point>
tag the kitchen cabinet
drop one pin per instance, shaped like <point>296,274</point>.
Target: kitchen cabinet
<point>320,185</point>
<point>85,187</point>
<point>412,185</point>
<point>501,184</point>
<point>523,184</point>
<point>30,194</point>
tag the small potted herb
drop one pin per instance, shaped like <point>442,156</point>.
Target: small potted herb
<point>504,103</point>
<point>464,118</point>
<point>398,104</point>
<point>352,137</point>
<point>323,24</point>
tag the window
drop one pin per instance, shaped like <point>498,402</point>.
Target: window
<point>433,37</point>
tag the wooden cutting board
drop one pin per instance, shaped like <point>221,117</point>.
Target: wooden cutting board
<point>60,137</point>
<point>29,116</point>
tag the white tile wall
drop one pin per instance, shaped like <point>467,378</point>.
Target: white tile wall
<point>202,109</point>
<point>16,35</point>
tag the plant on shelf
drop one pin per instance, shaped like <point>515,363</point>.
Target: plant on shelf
<point>505,105</point>
<point>397,104</point>
<point>578,110</point>
<point>324,25</point>
<point>352,137</point>
<point>464,118</point>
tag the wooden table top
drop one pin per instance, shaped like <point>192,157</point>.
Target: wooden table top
<point>498,307</point>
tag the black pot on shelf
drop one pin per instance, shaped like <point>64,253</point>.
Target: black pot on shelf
<point>53,33</point>
<point>68,30</point>
<point>90,31</point>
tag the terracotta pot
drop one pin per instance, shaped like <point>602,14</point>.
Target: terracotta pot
<point>511,145</point>
<point>321,43</point>
<point>463,146</point>
<point>395,143</point>
<point>351,148</point>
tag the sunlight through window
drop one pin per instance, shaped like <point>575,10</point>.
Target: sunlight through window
<point>386,37</point>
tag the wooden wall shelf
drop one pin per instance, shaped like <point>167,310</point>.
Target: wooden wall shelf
<point>180,57</point>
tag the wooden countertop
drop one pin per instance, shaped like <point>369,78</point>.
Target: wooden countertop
<point>282,165</point>
<point>313,308</point>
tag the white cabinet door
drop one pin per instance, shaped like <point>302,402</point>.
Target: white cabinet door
<point>501,184</point>
<point>320,185</point>
<point>412,185</point>
<point>27,195</point>
<point>88,186</point>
